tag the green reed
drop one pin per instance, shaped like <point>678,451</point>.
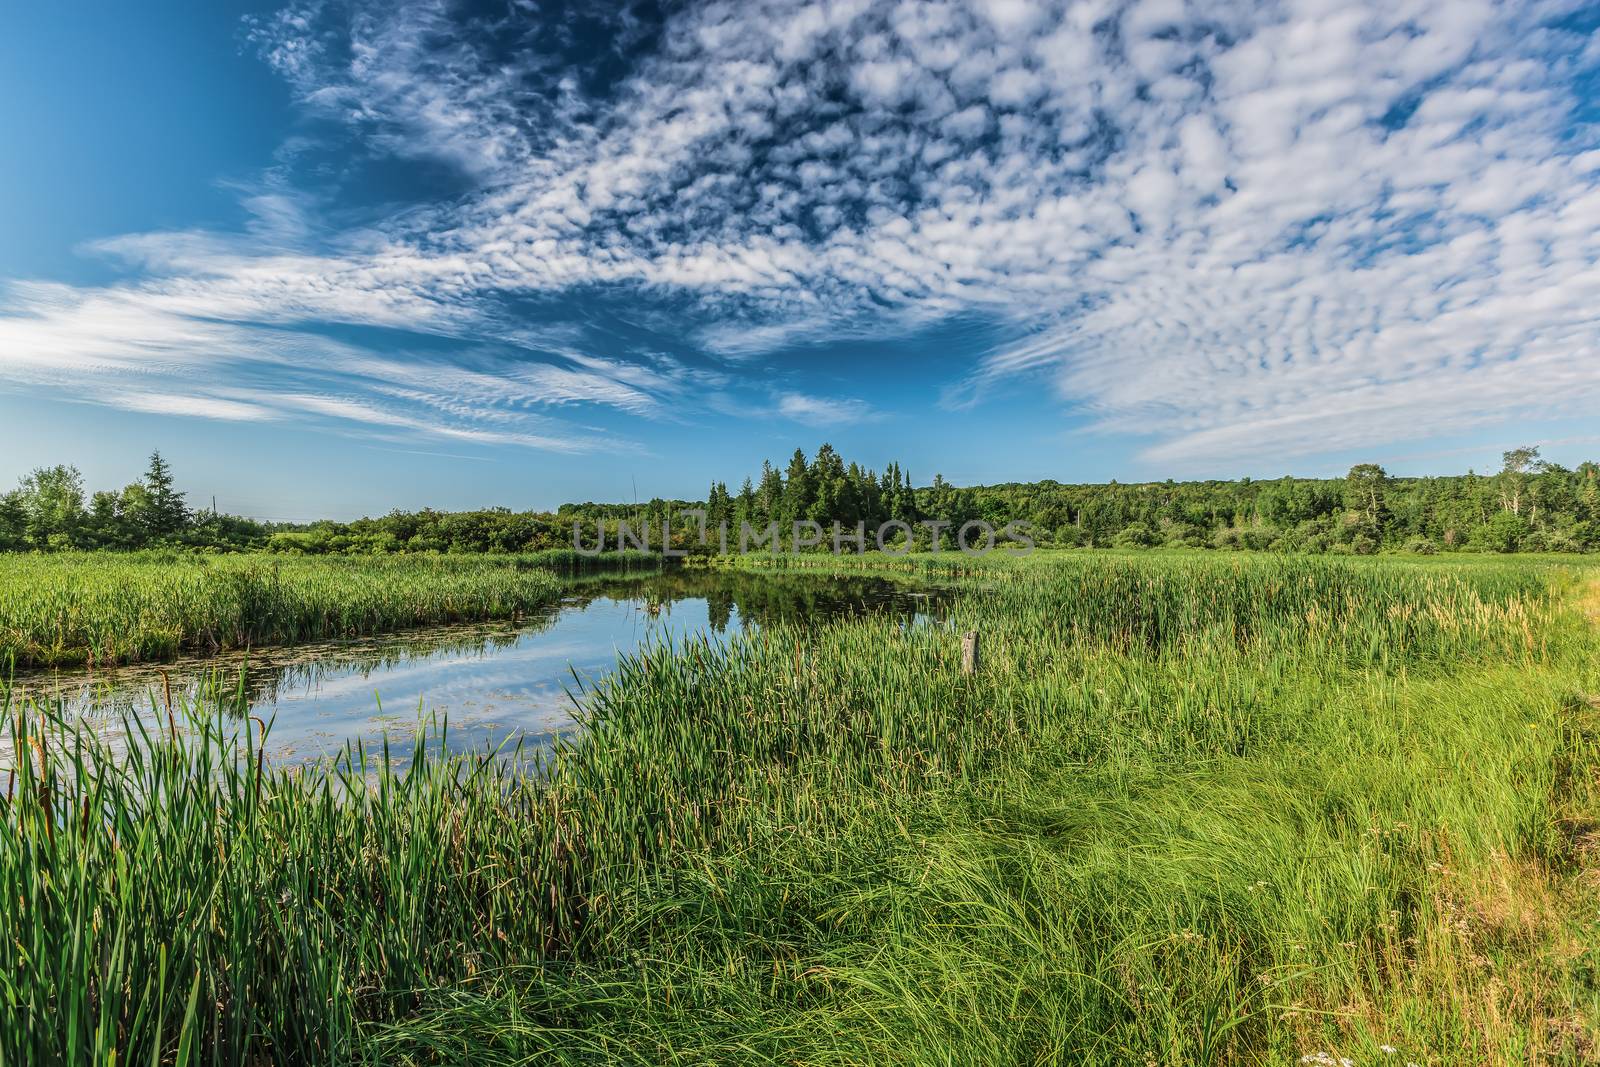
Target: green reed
<point>1189,810</point>
<point>103,609</point>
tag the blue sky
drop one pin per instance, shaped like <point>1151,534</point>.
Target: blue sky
<point>334,258</point>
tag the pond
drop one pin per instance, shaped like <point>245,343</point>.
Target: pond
<point>496,682</point>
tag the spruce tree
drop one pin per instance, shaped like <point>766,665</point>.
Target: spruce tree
<point>165,513</point>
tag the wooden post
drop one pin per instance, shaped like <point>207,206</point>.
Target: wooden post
<point>969,652</point>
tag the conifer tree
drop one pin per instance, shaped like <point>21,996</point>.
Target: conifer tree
<point>164,512</point>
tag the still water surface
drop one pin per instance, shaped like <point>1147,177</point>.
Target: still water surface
<point>495,681</point>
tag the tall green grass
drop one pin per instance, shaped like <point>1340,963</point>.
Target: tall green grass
<point>1189,811</point>
<point>103,609</point>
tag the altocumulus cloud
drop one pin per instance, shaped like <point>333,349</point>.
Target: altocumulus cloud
<point>1288,226</point>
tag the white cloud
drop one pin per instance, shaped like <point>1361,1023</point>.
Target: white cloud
<point>366,415</point>
<point>823,411</point>
<point>1293,226</point>
<point>201,407</point>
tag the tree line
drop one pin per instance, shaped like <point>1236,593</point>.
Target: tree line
<point>1528,505</point>
<point>49,511</point>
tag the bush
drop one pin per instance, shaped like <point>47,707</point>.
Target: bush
<point>296,544</point>
<point>1228,537</point>
<point>1069,537</point>
<point>1134,535</point>
<point>1503,533</point>
<point>1560,541</point>
<point>1258,538</point>
<point>1293,541</point>
<point>1184,535</point>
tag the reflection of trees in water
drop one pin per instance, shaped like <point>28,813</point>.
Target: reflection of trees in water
<point>261,678</point>
<point>377,657</point>
<point>761,598</point>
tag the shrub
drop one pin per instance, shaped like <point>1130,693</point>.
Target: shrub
<point>1504,532</point>
<point>1134,535</point>
<point>1228,537</point>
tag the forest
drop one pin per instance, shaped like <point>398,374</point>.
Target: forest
<point>1529,505</point>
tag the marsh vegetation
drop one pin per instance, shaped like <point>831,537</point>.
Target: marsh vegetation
<point>1190,810</point>
<point>104,609</point>
<point>505,679</point>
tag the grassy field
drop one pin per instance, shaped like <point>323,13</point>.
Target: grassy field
<point>103,609</point>
<point>1190,810</point>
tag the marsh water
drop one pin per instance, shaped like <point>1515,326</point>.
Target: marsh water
<point>494,682</point>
